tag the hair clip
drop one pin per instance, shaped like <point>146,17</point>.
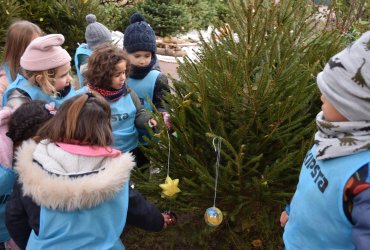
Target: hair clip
<point>51,108</point>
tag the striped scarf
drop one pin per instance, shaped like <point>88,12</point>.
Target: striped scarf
<point>110,95</point>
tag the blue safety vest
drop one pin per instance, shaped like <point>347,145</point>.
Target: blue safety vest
<point>144,88</point>
<point>35,93</point>
<point>95,228</point>
<point>82,49</point>
<point>317,219</point>
<point>7,179</point>
<point>123,124</point>
<point>7,72</point>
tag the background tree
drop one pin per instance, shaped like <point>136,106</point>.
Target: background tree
<point>65,16</point>
<point>165,16</point>
<point>205,12</point>
<point>351,17</point>
<point>10,10</point>
<point>178,16</point>
<point>254,86</point>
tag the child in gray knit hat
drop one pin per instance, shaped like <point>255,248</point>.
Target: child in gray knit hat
<point>95,34</point>
<point>331,206</point>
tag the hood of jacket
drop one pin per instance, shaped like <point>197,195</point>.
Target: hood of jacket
<point>60,180</point>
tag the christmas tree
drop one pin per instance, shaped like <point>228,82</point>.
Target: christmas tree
<point>10,9</point>
<point>253,87</point>
<point>165,16</point>
<point>67,17</point>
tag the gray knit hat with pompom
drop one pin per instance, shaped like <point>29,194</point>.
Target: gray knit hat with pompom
<point>96,33</point>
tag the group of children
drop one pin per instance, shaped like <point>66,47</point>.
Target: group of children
<point>74,148</point>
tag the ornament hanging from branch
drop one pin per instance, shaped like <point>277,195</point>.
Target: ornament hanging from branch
<point>213,216</point>
<point>170,186</point>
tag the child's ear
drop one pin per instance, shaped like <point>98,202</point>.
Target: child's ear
<point>38,78</point>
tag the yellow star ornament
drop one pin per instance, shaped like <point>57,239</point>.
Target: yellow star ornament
<point>169,187</point>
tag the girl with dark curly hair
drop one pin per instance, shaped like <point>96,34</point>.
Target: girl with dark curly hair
<point>21,125</point>
<point>106,74</point>
<point>25,121</point>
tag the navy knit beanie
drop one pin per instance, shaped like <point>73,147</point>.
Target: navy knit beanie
<point>139,36</point>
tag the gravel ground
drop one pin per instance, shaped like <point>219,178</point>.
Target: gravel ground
<point>169,69</point>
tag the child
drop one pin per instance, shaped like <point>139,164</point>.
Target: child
<point>7,176</point>
<point>106,74</point>
<point>45,76</point>
<point>79,183</point>
<point>95,34</point>
<point>19,126</point>
<point>149,84</point>
<point>331,206</point>
<point>18,37</point>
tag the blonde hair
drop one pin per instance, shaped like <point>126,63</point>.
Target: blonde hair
<point>18,37</point>
<point>46,83</point>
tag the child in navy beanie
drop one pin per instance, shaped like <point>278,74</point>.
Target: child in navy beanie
<point>149,84</point>
<point>139,36</point>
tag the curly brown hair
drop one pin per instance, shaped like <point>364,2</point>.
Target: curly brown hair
<point>83,119</point>
<point>26,120</point>
<point>102,65</point>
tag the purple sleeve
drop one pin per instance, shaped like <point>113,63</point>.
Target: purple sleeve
<point>361,220</point>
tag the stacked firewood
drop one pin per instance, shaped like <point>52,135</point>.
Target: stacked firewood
<point>171,46</point>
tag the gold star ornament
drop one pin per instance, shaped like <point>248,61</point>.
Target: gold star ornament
<point>169,187</point>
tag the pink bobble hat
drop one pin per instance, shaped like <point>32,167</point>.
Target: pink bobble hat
<point>45,53</point>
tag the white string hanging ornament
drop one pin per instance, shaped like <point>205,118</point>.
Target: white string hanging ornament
<point>213,216</point>
<point>169,187</point>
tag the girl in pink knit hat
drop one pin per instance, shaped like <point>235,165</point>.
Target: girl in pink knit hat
<point>45,74</point>
<point>18,37</point>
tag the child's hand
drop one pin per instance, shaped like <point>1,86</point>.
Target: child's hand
<point>284,218</point>
<point>152,123</point>
<point>170,218</point>
<point>167,220</point>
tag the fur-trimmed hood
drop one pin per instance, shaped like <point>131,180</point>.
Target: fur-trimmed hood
<point>46,178</point>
